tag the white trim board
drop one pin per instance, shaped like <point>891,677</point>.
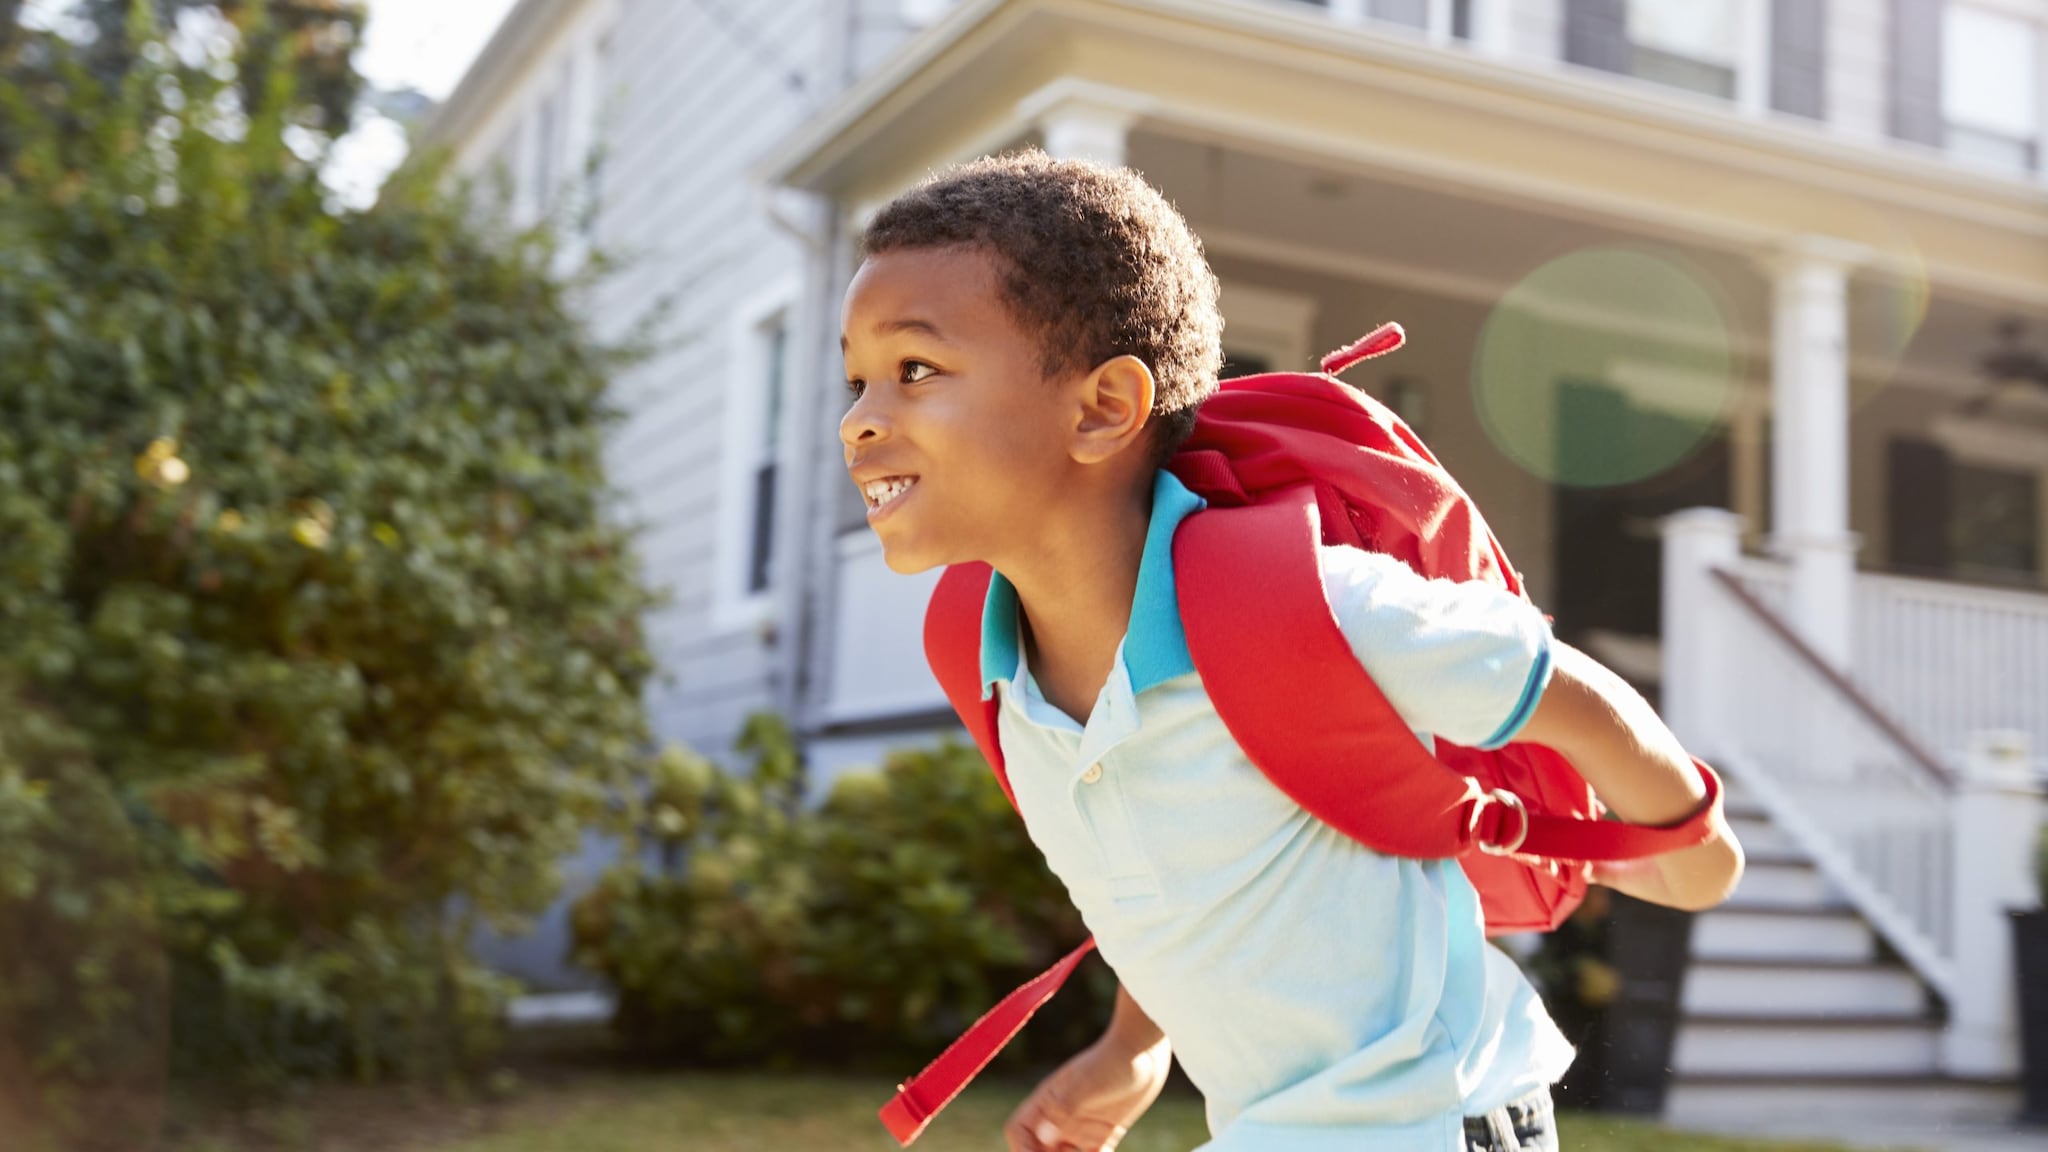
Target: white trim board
<point>1277,326</point>
<point>732,605</point>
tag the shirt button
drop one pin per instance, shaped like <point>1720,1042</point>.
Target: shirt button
<point>1093,774</point>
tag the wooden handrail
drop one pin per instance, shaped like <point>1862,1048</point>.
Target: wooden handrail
<point>1848,690</point>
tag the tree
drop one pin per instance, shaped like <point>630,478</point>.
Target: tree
<point>312,597</point>
<point>314,39</point>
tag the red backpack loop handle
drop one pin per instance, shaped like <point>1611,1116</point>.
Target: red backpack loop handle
<point>1378,342</point>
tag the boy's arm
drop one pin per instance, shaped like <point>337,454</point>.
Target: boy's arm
<point>1130,1030</point>
<point>1638,769</point>
<point>1092,1100</point>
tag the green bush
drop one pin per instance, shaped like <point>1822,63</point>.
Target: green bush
<point>317,646</point>
<point>2041,864</point>
<point>873,928</point>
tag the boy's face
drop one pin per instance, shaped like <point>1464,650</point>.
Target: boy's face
<point>956,439</point>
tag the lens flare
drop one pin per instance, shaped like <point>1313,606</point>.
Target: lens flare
<point>1604,366</point>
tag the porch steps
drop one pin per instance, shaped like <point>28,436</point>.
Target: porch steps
<point>1782,1105</point>
<point>1792,1012</point>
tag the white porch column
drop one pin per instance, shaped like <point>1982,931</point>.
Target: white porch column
<point>1810,437</point>
<point>1696,541</point>
<point>1997,812</point>
<point>1082,120</point>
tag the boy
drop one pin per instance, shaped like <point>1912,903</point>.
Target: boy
<point>1027,342</point>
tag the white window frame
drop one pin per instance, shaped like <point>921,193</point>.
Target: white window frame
<point>1270,323</point>
<point>2035,13</point>
<point>733,606</point>
<point>1437,23</point>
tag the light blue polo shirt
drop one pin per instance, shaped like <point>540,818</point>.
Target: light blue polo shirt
<point>1322,996</point>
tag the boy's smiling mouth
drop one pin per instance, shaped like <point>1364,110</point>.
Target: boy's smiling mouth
<point>884,493</point>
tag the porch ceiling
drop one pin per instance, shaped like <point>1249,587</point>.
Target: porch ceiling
<point>1305,217</point>
<point>1261,78</point>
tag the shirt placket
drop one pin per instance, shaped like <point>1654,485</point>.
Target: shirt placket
<point>1100,798</point>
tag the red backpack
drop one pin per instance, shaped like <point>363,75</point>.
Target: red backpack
<point>1284,460</point>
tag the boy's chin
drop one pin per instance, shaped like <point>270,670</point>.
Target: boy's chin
<point>907,560</point>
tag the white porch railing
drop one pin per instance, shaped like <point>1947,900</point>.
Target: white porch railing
<point>1930,849</point>
<point>1950,660</point>
<point>1860,793</point>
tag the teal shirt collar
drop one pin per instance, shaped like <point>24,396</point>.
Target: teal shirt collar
<point>1156,647</point>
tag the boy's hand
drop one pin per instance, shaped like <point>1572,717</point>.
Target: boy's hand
<point>1616,741</point>
<point>1091,1101</point>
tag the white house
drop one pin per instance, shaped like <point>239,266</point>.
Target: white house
<point>1781,262</point>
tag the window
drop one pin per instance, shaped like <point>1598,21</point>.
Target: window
<point>1690,44</point>
<point>756,382</point>
<point>1716,48</point>
<point>547,145</point>
<point>774,341</point>
<point>1440,20</point>
<point>1969,502</point>
<point>1990,84</point>
<point>1994,532</point>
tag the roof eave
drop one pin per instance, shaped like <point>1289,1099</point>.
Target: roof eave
<point>519,37</point>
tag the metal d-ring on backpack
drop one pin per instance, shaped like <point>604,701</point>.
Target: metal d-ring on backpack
<point>1286,459</point>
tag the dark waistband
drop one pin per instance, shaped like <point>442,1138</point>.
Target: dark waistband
<point>1522,1113</point>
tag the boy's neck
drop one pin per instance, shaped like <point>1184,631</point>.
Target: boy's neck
<point>1074,594</point>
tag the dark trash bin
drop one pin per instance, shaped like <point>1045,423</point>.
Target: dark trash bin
<point>2030,959</point>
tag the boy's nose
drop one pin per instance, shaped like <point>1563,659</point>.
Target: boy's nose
<point>862,423</point>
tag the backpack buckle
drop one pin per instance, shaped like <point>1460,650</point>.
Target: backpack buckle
<point>1506,799</point>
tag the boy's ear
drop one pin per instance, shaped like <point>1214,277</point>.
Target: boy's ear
<point>1116,403</point>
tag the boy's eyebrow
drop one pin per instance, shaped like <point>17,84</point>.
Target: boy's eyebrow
<point>904,324</point>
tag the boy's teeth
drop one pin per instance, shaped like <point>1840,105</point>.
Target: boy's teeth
<point>880,492</point>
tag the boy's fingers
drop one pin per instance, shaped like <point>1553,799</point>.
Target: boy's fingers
<point>1030,1130</point>
<point>1043,1122</point>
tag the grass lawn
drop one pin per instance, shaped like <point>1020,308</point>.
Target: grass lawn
<point>703,1112</point>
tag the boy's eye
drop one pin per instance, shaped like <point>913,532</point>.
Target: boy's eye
<point>856,387</point>
<point>911,369</point>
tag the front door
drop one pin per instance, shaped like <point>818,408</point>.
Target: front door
<point>1609,561</point>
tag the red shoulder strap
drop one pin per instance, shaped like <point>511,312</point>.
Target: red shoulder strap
<point>952,644</point>
<point>920,1098</point>
<point>1314,722</point>
<point>1355,766</point>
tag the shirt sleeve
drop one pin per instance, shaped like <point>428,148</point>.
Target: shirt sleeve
<point>1465,661</point>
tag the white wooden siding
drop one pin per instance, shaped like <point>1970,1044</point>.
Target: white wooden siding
<point>565,69</point>
<point>700,100</point>
<point>879,28</point>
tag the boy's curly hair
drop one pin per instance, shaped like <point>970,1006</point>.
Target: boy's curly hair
<point>1093,258</point>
